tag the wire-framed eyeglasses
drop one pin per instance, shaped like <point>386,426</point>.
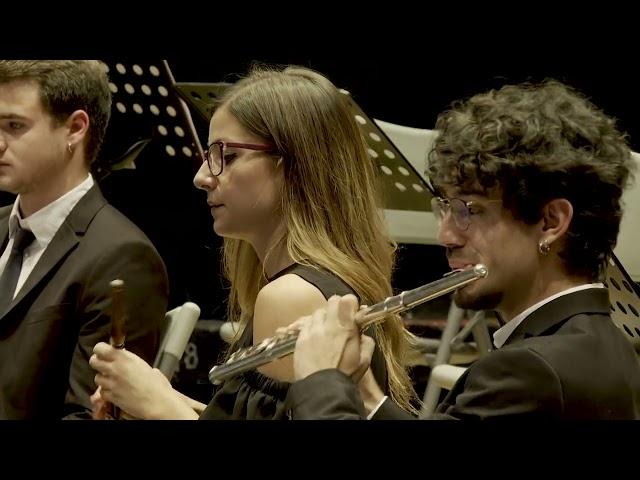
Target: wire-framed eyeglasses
<point>461,211</point>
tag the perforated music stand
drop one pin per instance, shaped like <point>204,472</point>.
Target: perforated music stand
<point>624,297</point>
<point>403,187</point>
<point>202,96</point>
<point>145,110</point>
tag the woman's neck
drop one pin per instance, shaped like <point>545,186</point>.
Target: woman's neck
<point>273,253</point>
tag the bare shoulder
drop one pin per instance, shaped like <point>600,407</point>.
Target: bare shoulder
<point>279,304</point>
<point>282,302</point>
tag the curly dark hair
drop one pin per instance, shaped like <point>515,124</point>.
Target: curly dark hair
<point>534,143</point>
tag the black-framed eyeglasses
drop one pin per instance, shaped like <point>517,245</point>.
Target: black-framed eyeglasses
<point>214,154</point>
<point>461,211</point>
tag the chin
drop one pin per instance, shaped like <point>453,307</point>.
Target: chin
<point>219,229</point>
<point>223,232</point>
<point>469,300</point>
<point>8,188</point>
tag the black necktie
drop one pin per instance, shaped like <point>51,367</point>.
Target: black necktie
<point>11,273</point>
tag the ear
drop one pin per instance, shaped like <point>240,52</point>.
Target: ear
<point>556,218</point>
<point>78,124</point>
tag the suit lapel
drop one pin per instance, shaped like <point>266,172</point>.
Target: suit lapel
<point>63,242</point>
<point>4,226</point>
<point>592,300</point>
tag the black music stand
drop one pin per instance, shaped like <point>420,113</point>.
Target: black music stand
<point>202,96</point>
<point>145,109</point>
<point>624,296</point>
<point>146,167</point>
<point>403,187</point>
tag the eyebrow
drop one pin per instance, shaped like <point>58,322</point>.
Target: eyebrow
<point>7,116</point>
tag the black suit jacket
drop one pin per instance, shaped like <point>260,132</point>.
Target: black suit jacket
<point>48,333</point>
<point>567,360</point>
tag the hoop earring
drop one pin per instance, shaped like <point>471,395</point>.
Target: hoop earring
<point>543,247</point>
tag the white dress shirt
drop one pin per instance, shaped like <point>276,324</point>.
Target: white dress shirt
<point>44,224</point>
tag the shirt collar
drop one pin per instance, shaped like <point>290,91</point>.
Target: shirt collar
<point>502,335</point>
<point>45,222</point>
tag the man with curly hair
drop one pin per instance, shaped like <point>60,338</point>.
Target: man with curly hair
<point>528,181</point>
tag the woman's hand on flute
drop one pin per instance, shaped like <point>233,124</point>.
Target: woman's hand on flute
<point>330,338</point>
<point>129,382</point>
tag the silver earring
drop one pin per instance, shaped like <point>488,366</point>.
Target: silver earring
<point>69,148</point>
<point>543,247</point>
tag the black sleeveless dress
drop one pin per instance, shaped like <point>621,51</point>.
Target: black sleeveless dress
<point>254,396</point>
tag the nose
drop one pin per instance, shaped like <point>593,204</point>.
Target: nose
<point>449,235</point>
<point>203,179</point>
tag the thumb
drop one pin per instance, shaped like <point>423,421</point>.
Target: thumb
<point>347,307</point>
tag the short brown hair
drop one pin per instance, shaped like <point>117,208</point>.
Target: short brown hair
<point>67,86</point>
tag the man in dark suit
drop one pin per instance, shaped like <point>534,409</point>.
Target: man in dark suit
<point>61,244</point>
<point>527,181</point>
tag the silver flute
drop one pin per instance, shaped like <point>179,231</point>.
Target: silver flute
<point>276,347</point>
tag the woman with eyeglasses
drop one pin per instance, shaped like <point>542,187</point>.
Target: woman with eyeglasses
<point>294,194</point>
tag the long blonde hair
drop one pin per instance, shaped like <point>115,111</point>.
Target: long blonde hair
<point>330,200</point>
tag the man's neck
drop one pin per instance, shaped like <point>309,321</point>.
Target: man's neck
<point>37,199</point>
<point>544,287</point>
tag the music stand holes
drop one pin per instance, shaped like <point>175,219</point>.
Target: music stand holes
<point>163,91</point>
<point>360,119</point>
<point>137,108</point>
<point>386,169</point>
<point>390,155</point>
<point>129,88</point>
<point>179,131</point>
<point>155,110</point>
<point>163,130</point>
<point>400,187</point>
<point>187,151</point>
<point>196,95</point>
<point>637,331</point>
<point>171,111</point>
<point>403,171</point>
<point>611,308</point>
<point>146,89</point>
<point>375,137</point>
<point>154,71</point>
<point>627,330</point>
<point>372,153</point>
<point>170,150</point>
<point>211,95</point>
<point>614,283</point>
<point>633,310</point>
<point>604,282</point>
<point>622,309</point>
<point>121,108</point>
<point>627,286</point>
<point>417,188</point>
<point>113,87</point>
<point>121,68</point>
<point>137,69</point>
